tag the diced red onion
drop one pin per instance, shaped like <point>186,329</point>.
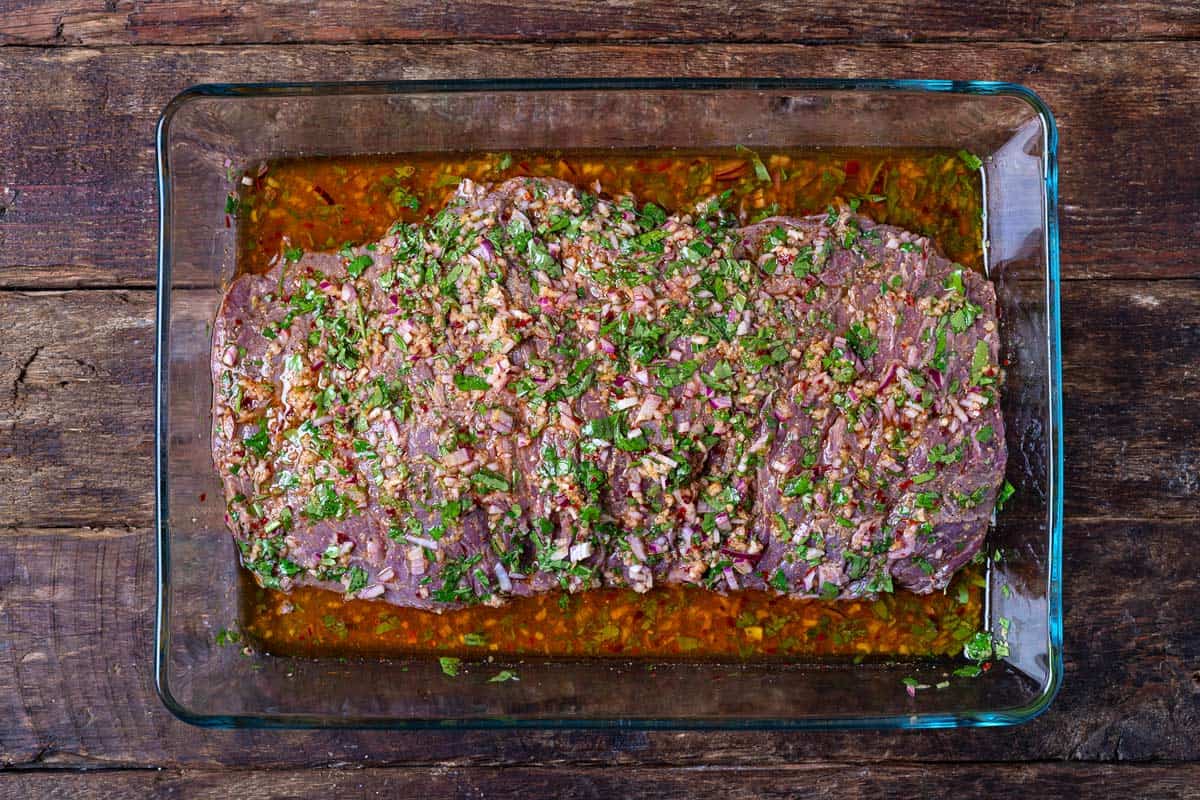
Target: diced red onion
<point>502,421</point>
<point>608,347</point>
<point>723,522</point>
<point>731,579</point>
<point>738,555</point>
<point>502,577</point>
<point>321,421</point>
<point>485,251</point>
<point>721,401</point>
<point>421,541</point>
<point>393,431</point>
<point>229,357</point>
<point>648,409</point>
<point>372,591</point>
<point>888,376</point>
<point>636,545</point>
<point>687,532</point>
<point>457,458</point>
<point>348,293</point>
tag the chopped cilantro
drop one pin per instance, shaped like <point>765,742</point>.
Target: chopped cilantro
<point>358,265</point>
<point>258,443</point>
<point>470,383</point>
<point>972,161</point>
<point>358,580</point>
<point>486,480</point>
<point>924,477</point>
<point>760,169</point>
<point>862,341</point>
<point>1006,493</point>
<point>978,647</point>
<point>779,581</point>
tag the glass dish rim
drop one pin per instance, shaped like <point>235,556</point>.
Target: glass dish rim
<point>973,718</point>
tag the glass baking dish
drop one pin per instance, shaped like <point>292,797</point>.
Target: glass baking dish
<point>209,130</point>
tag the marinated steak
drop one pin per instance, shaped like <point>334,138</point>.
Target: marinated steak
<point>544,388</point>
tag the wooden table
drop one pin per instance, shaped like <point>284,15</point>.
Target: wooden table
<point>81,85</point>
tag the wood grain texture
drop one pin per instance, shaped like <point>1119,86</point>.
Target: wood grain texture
<point>76,607</point>
<point>834,780</point>
<point>76,405</point>
<point>191,22</point>
<point>77,197</point>
<point>76,408</point>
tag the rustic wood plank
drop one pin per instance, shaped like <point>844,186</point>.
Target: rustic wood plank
<point>77,610</point>
<point>78,207</point>
<point>76,410</point>
<point>75,22</point>
<point>832,780</point>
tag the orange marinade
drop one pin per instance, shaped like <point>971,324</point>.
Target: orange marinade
<point>323,204</point>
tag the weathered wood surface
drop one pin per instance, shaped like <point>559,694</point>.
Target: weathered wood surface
<point>75,22</point>
<point>77,211</point>
<point>844,781</point>
<point>79,133</point>
<point>76,603</point>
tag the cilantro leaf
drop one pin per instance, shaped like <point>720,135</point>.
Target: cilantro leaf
<point>470,383</point>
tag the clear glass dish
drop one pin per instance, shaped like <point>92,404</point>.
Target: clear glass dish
<point>208,128</point>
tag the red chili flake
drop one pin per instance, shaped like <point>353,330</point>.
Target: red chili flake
<point>203,496</point>
<point>852,168</point>
<point>324,195</point>
<point>904,484</point>
<point>227,223</point>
